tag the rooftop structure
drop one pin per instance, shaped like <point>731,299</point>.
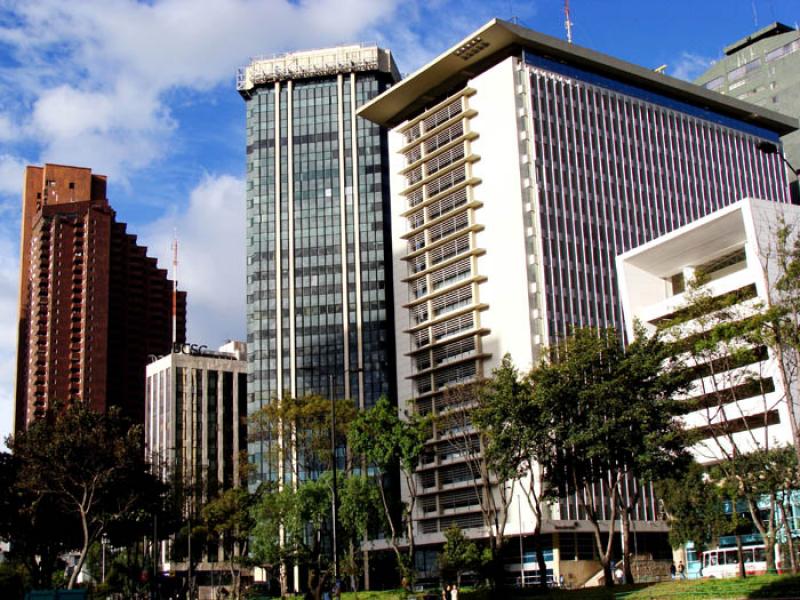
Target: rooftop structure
<point>315,63</point>
<point>499,39</point>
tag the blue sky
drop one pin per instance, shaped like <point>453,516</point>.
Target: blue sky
<point>144,92</point>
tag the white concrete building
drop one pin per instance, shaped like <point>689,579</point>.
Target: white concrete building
<point>740,400</point>
<point>196,432</point>
<point>521,167</point>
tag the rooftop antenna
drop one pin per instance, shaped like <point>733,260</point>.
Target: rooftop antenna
<point>175,287</point>
<point>567,22</point>
<point>512,18</point>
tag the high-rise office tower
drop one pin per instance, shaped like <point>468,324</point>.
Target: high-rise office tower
<point>93,305</point>
<point>318,307</point>
<point>522,165</point>
<point>764,68</point>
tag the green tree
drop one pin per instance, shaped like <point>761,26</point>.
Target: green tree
<point>723,343</point>
<point>290,524</point>
<point>268,544</point>
<point>302,435</point>
<point>91,466</point>
<point>780,320</point>
<point>387,443</point>
<point>611,420</point>
<point>515,441</point>
<point>302,427</point>
<point>459,554</point>
<point>38,530</point>
<point>229,521</point>
<point>360,512</point>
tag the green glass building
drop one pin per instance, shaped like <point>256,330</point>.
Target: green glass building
<point>318,245</point>
<point>764,68</point>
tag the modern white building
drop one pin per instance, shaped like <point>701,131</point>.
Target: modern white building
<point>196,433</point>
<point>521,167</point>
<point>740,397</point>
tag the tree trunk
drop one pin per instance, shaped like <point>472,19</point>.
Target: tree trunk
<point>790,541</point>
<point>540,562</point>
<point>740,557</point>
<point>73,578</point>
<point>604,553</point>
<point>392,532</point>
<point>283,578</point>
<point>626,542</point>
<point>353,578</point>
<point>767,533</point>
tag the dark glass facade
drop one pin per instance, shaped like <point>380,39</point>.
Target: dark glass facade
<point>317,267</point>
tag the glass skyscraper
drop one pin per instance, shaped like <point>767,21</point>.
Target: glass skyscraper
<point>318,311</point>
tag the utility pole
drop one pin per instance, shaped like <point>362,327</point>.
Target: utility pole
<point>175,288</point>
<point>335,507</point>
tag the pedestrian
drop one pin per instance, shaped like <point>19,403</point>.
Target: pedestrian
<point>454,592</point>
<point>449,592</point>
<point>672,571</point>
<point>444,593</point>
<point>681,570</point>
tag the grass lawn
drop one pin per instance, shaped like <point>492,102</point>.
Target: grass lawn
<point>764,586</point>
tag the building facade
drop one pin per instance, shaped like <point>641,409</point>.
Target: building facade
<point>196,433</point>
<point>93,305</point>
<point>318,307</point>
<point>522,165</point>
<point>764,68</point>
<point>733,249</point>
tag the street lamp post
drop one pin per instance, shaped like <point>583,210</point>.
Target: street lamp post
<point>104,543</point>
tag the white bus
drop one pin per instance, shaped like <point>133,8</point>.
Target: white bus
<point>724,562</point>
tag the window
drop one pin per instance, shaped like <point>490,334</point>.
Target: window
<point>444,137</point>
<point>447,203</point>
<point>446,158</point>
<point>449,275</point>
<point>452,327</point>
<point>442,115</point>
<point>448,227</point>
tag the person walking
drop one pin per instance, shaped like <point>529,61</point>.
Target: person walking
<point>681,570</point>
<point>672,571</point>
<point>454,592</point>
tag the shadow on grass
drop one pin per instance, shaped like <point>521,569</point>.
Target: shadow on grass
<point>785,586</point>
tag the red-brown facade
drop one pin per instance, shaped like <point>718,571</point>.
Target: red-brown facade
<point>93,305</point>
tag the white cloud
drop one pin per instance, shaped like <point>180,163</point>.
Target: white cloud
<point>9,283</point>
<point>103,67</point>
<point>8,129</point>
<point>690,66</point>
<point>12,170</point>
<point>211,232</point>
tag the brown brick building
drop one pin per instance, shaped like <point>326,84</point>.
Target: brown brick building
<point>93,305</point>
